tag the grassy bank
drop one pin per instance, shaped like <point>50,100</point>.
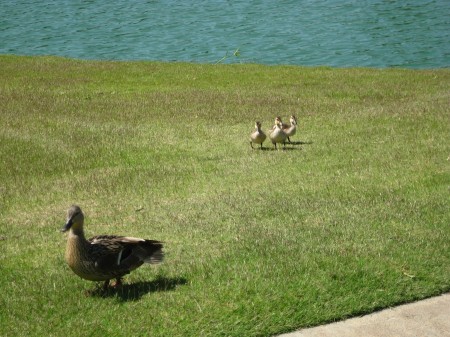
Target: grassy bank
<point>257,242</point>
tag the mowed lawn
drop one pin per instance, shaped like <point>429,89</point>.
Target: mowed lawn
<point>351,218</point>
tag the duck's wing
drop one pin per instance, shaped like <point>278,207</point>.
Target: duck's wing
<point>123,253</point>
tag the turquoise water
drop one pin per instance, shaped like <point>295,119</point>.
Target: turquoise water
<point>412,34</point>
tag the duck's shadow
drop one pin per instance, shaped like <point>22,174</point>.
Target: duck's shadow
<point>286,147</point>
<point>134,291</point>
<point>301,143</point>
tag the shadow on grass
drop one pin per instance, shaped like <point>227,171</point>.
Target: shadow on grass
<point>300,143</point>
<point>280,147</point>
<point>134,291</point>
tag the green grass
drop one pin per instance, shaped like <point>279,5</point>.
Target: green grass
<point>257,242</point>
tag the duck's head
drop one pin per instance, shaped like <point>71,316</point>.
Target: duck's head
<point>75,219</point>
<point>278,120</point>
<point>293,120</point>
<point>258,124</point>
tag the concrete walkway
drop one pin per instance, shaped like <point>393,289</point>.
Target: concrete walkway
<point>427,318</point>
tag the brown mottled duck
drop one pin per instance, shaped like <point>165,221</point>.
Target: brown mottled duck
<point>105,257</point>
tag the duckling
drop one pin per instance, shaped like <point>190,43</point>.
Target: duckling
<point>258,136</point>
<point>278,120</point>
<point>278,135</point>
<point>105,257</point>
<point>291,129</point>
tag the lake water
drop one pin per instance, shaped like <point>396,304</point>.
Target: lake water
<point>412,34</point>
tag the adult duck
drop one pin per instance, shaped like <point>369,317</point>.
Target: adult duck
<point>105,257</point>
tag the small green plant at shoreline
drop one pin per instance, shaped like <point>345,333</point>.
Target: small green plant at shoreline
<point>236,53</point>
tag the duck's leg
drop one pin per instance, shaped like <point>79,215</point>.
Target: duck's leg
<point>118,283</point>
<point>289,140</point>
<point>261,146</point>
<point>251,144</point>
<point>106,285</point>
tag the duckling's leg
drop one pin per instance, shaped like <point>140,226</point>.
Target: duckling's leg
<point>261,146</point>
<point>251,144</point>
<point>289,140</point>
<point>275,144</point>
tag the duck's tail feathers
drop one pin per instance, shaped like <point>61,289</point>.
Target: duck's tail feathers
<point>156,257</point>
<point>153,251</point>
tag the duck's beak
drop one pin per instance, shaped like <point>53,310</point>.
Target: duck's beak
<point>67,226</point>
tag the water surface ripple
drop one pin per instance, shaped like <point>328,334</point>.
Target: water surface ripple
<point>412,34</point>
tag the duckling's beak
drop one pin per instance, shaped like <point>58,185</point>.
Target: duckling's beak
<point>67,226</point>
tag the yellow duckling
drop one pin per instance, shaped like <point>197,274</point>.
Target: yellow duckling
<point>290,129</point>
<point>258,136</point>
<point>278,120</point>
<point>278,135</point>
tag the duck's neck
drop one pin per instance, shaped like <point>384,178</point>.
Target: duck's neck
<point>77,232</point>
<point>76,245</point>
<point>76,238</point>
